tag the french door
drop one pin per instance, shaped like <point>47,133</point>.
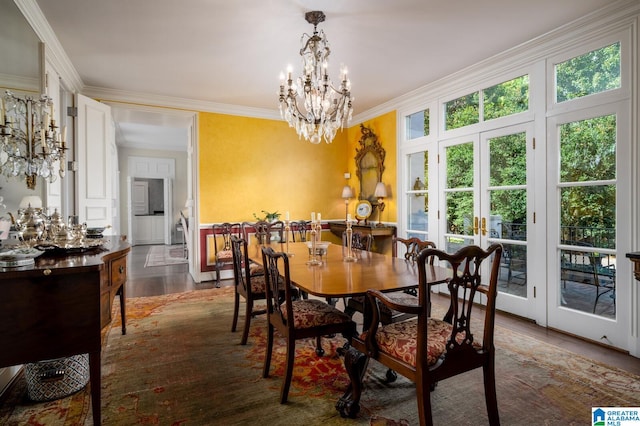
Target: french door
<point>588,193</point>
<point>485,197</point>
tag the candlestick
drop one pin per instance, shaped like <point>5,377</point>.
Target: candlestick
<point>287,228</point>
<point>349,234</point>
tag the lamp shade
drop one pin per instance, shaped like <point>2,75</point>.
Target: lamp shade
<point>347,192</point>
<point>381,190</point>
<point>31,200</point>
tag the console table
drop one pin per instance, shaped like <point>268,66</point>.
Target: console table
<point>635,258</point>
<point>57,307</point>
<point>381,234</point>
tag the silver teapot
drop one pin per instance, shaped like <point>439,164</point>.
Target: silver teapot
<point>31,224</point>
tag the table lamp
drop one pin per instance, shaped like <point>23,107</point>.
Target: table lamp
<point>380,193</point>
<point>347,193</point>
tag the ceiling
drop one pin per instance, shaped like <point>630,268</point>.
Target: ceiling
<point>232,52</point>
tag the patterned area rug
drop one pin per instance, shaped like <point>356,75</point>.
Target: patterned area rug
<point>180,364</point>
<point>165,255</point>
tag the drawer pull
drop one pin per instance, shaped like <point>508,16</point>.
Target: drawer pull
<point>121,269</point>
<point>47,272</point>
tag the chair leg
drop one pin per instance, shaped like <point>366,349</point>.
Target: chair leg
<point>319,350</point>
<point>247,322</point>
<point>236,308</point>
<point>217,275</point>
<point>267,353</point>
<point>490,393</point>
<point>291,352</point>
<point>424,403</point>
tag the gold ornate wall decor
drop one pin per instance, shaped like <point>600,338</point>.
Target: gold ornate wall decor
<point>369,164</point>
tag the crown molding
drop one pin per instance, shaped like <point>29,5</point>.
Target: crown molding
<point>55,54</point>
<point>616,16</point>
<point>113,95</point>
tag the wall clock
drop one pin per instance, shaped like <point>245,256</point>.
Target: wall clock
<point>363,209</point>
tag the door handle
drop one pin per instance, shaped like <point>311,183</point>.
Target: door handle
<point>484,226</point>
<point>475,225</point>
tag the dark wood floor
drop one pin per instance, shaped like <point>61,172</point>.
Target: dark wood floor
<point>159,280</point>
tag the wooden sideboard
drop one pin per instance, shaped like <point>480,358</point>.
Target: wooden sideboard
<point>382,235</point>
<point>58,307</point>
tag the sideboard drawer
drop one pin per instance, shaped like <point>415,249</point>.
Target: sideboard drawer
<point>118,271</point>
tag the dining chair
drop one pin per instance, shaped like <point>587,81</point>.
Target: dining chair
<point>299,230</point>
<point>409,248</point>
<point>359,241</point>
<point>427,350</point>
<point>222,233</point>
<point>296,319</point>
<point>249,286</point>
<point>265,231</point>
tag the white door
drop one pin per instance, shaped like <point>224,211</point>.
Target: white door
<point>95,138</point>
<point>484,199</point>
<point>53,190</point>
<point>140,197</point>
<point>589,222</point>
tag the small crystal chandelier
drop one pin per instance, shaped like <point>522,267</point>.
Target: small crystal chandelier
<point>30,144</point>
<point>311,104</point>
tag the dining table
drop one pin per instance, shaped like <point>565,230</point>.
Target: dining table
<point>337,273</point>
<point>333,277</point>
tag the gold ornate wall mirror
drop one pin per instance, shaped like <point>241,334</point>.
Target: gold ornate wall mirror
<point>369,164</point>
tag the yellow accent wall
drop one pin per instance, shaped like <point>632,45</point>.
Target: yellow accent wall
<point>252,164</point>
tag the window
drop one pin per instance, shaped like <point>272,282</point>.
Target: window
<point>510,97</point>
<point>507,98</point>
<point>418,199</point>
<point>593,72</point>
<point>588,172</point>
<point>417,124</point>
<point>462,111</point>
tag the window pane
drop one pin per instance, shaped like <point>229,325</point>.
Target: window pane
<point>418,171</point>
<point>594,72</point>
<point>508,158</point>
<point>588,215</point>
<point>460,166</point>
<point>508,214</point>
<point>418,198</point>
<point>506,98</point>
<point>588,150</point>
<point>459,212</point>
<point>418,218</point>
<point>462,111</point>
<point>417,124</point>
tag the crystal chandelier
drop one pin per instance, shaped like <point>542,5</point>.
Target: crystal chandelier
<point>30,144</point>
<point>311,104</point>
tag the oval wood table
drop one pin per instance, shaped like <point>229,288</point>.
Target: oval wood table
<point>334,278</point>
<point>57,307</point>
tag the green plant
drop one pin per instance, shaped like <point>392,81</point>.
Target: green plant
<point>268,217</point>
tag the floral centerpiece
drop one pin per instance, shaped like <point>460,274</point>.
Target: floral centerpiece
<point>268,217</point>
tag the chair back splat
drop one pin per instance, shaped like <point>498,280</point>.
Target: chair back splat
<point>222,233</point>
<point>428,350</point>
<point>295,318</point>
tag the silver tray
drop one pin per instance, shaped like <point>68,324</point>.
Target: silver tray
<point>70,247</point>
